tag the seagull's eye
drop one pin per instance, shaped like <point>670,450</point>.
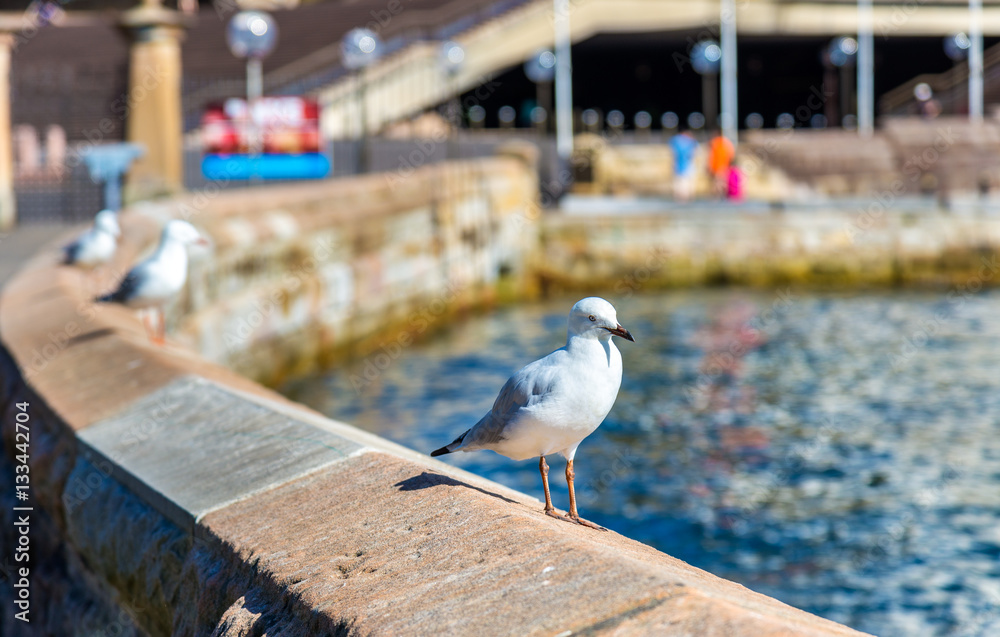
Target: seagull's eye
<point>591,317</point>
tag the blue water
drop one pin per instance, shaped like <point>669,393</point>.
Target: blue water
<point>838,452</point>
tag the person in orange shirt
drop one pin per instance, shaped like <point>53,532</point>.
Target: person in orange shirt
<point>720,158</point>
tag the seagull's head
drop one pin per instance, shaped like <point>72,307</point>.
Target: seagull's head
<point>593,317</point>
<point>107,221</point>
<point>183,233</point>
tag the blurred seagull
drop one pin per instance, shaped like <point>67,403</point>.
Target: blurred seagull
<point>96,245</point>
<point>551,405</point>
<point>151,283</point>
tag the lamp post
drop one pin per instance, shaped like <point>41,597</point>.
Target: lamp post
<point>452,58</point>
<point>976,61</point>
<point>730,101</point>
<point>564,80</point>
<point>642,122</point>
<point>959,47</point>
<point>541,69</point>
<point>841,54</point>
<point>866,70</point>
<point>506,116</point>
<point>706,57</point>
<point>360,48</point>
<point>956,47</point>
<point>252,35</point>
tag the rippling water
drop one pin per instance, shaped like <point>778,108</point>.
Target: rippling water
<point>838,452</point>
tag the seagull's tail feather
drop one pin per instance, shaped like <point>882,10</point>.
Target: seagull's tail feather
<point>110,297</point>
<point>69,254</point>
<point>451,447</point>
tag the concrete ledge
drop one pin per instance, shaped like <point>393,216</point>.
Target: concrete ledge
<point>190,501</point>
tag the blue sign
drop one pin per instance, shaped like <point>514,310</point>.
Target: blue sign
<point>302,166</point>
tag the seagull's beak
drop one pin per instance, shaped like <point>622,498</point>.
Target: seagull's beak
<point>621,331</point>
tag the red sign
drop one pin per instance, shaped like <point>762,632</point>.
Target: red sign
<point>283,125</point>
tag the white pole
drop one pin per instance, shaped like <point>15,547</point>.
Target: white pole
<point>255,80</point>
<point>976,61</point>
<point>866,70</point>
<point>564,81</point>
<point>255,89</point>
<point>730,106</point>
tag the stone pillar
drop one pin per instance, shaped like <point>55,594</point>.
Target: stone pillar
<point>8,212</point>
<point>154,100</point>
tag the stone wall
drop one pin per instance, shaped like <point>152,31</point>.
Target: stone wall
<point>647,169</point>
<point>298,271</point>
<point>941,156</point>
<point>871,245</point>
<point>172,496</point>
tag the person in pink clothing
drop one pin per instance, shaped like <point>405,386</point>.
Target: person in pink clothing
<point>734,183</point>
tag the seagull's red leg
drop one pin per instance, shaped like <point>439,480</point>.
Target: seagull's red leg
<point>147,323</point>
<point>543,468</point>
<point>161,327</point>
<point>570,475</point>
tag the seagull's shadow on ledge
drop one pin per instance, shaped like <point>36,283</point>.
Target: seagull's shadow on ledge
<point>428,480</point>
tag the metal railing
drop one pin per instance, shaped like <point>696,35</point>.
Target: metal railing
<point>950,87</point>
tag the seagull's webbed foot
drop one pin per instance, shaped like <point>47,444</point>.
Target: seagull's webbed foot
<point>559,516</point>
<point>586,523</point>
<point>573,518</point>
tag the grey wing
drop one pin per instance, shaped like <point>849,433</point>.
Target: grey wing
<point>521,391</point>
<point>71,252</point>
<point>129,287</point>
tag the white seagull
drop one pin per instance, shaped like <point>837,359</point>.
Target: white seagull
<point>151,283</point>
<point>551,405</point>
<point>96,245</point>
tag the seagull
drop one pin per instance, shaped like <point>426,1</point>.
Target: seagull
<point>151,283</point>
<point>551,405</point>
<point>96,245</point>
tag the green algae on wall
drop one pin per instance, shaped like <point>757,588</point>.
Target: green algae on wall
<point>623,254</point>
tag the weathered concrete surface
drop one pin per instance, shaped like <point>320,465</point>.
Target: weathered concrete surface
<point>182,497</point>
<point>432,550</point>
<point>175,444</point>
<point>475,561</point>
<point>66,339</point>
<point>18,245</point>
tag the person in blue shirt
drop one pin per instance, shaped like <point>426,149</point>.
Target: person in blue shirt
<point>684,147</point>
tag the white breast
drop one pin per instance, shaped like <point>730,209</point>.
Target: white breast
<point>573,410</point>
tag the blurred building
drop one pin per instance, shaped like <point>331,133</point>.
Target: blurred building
<point>69,75</point>
<point>629,55</point>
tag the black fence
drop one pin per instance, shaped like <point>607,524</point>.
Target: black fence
<point>49,197</point>
<point>70,196</point>
<point>378,155</point>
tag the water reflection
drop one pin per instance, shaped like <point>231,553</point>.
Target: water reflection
<point>840,453</point>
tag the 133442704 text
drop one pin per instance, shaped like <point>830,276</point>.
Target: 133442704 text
<point>22,512</point>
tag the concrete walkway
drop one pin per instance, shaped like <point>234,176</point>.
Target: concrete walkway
<point>21,243</point>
